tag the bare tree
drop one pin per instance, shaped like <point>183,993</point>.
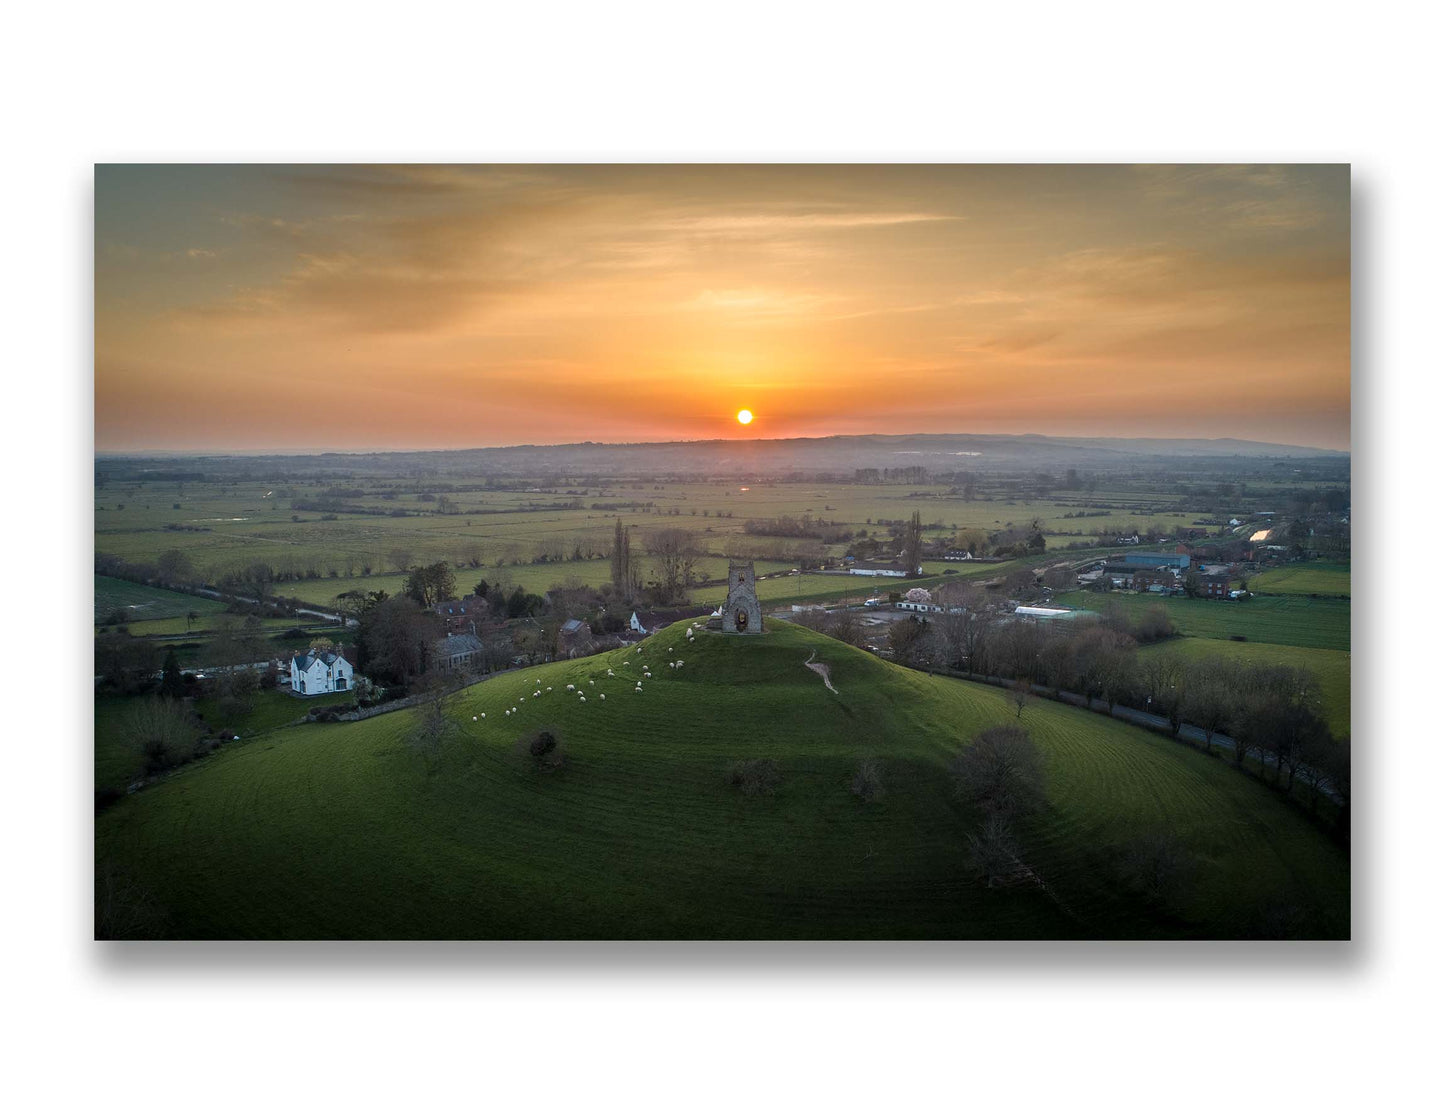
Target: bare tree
<point>1019,696</point>
<point>676,553</point>
<point>912,551</point>
<point>1001,771</point>
<point>993,852</point>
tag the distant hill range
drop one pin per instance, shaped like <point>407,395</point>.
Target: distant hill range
<point>937,452</point>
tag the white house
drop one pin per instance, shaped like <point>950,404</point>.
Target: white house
<point>326,673</point>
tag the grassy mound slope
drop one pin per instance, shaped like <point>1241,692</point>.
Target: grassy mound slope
<point>344,830</point>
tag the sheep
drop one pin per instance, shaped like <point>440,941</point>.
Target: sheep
<point>581,699</point>
<point>671,664</point>
<point>474,717</point>
<point>570,686</point>
<point>484,716</point>
<point>648,674</point>
<point>602,696</point>
<point>669,651</point>
<point>638,688</point>
<point>591,682</point>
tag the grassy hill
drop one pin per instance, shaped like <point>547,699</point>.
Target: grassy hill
<point>347,831</point>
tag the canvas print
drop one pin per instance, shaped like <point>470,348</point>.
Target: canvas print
<point>722,552</point>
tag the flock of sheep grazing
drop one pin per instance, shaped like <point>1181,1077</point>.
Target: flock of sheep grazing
<point>673,664</point>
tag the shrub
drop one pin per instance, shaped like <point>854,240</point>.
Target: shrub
<point>867,783</point>
<point>755,776</point>
<point>164,733</point>
<point>1157,867</point>
<point>105,797</point>
<point>543,750</point>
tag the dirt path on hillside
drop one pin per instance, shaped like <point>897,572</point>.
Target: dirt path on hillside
<point>820,669</point>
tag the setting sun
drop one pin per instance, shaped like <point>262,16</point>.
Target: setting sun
<point>745,416</point>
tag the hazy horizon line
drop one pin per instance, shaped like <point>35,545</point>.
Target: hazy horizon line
<point>376,451</point>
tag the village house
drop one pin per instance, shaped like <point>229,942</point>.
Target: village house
<point>461,614</point>
<point>651,621</point>
<point>574,639</point>
<point>320,673</point>
<point>458,651</point>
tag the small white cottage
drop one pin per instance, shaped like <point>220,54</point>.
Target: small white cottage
<point>320,673</point>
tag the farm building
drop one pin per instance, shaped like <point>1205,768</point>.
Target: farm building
<point>892,571</point>
<point>1046,613</point>
<point>320,673</point>
<point>953,555</point>
<point>918,606</point>
<point>1179,560</point>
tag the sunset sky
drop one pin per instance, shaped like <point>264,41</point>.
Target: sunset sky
<point>377,307</point>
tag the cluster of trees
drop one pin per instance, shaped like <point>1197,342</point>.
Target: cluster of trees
<point>913,473</point>
<point>844,624</point>
<point>431,584</point>
<point>804,527</point>
<point>675,554</point>
<point>1273,710</point>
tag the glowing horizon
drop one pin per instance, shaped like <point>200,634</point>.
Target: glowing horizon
<point>274,308</point>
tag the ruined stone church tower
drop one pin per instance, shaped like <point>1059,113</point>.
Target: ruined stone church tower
<point>741,613</point>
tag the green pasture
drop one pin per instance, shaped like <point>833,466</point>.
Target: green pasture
<point>1330,665</point>
<point>349,831</point>
<point>225,527</point>
<point>1265,619</point>
<point>143,603</point>
<point>118,760</point>
<point>1327,579</point>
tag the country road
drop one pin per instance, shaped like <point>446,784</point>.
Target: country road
<point>208,592</point>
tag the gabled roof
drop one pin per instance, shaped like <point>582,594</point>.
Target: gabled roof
<point>572,625</point>
<point>310,659</point>
<point>460,644</point>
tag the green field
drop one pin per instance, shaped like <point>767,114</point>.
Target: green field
<point>1330,665</point>
<point>1326,579</point>
<point>143,603</point>
<point>224,526</point>
<point>345,831</point>
<point>1280,619</point>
